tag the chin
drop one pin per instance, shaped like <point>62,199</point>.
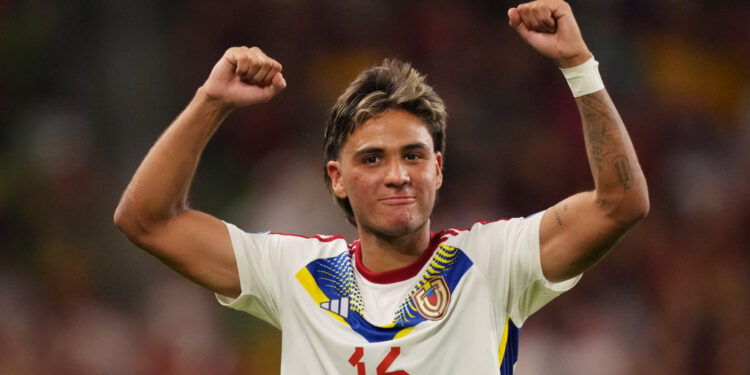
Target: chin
<point>397,228</point>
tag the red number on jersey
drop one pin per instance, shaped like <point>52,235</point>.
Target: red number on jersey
<point>388,360</point>
<point>356,361</point>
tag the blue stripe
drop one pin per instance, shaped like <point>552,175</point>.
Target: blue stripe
<point>511,350</point>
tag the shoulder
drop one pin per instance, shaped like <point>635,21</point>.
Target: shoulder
<point>476,225</point>
<point>479,227</point>
<point>318,238</point>
<point>278,244</point>
<point>503,224</point>
<point>494,235</point>
<point>320,245</point>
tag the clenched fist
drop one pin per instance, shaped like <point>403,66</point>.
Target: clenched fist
<point>244,76</point>
<point>549,27</point>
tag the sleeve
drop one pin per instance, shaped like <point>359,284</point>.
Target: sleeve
<point>511,260</point>
<point>257,256</point>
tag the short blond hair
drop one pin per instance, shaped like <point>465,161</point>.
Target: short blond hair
<point>392,84</point>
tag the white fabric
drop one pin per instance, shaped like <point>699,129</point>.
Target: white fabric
<point>504,280</point>
<point>382,300</point>
<point>584,79</point>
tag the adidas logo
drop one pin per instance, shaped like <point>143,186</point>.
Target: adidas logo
<point>337,306</point>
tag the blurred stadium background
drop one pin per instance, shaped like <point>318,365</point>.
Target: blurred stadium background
<point>87,86</point>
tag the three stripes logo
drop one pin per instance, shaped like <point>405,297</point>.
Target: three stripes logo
<point>339,306</point>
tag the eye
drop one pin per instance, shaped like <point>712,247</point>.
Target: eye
<point>412,156</point>
<point>371,159</point>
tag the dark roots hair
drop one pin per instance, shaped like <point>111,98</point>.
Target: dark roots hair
<point>392,84</point>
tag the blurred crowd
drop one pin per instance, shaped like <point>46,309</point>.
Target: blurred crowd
<point>87,86</point>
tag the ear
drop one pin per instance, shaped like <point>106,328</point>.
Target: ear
<point>333,168</point>
<point>439,171</point>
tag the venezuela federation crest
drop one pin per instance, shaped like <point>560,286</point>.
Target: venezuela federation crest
<point>432,299</point>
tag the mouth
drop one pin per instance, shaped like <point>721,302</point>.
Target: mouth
<point>396,200</point>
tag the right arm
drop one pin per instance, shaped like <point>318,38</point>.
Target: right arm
<point>153,211</point>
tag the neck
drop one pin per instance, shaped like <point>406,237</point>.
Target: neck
<point>382,253</point>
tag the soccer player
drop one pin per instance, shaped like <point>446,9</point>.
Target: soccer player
<point>401,299</point>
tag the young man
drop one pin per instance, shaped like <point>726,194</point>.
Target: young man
<point>400,300</point>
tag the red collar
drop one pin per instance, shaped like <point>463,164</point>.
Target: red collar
<point>399,274</point>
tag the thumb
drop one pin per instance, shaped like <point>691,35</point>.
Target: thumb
<point>513,17</point>
<point>278,84</point>
<point>514,20</point>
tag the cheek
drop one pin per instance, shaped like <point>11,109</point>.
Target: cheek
<point>428,180</point>
<point>360,184</point>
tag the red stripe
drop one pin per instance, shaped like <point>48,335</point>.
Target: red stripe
<point>454,231</point>
<point>318,237</point>
<point>399,274</point>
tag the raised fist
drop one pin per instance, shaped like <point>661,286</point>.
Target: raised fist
<point>549,27</point>
<point>244,76</point>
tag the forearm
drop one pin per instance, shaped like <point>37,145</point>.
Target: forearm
<point>159,188</point>
<point>620,186</point>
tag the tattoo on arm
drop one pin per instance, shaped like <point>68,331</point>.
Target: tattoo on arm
<point>599,128</point>
<point>596,133</point>
<point>624,173</point>
<point>604,140</point>
<point>557,217</point>
<point>556,212</point>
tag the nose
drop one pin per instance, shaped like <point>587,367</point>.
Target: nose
<point>396,174</point>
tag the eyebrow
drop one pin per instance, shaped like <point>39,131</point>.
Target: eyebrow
<point>416,146</point>
<point>380,150</point>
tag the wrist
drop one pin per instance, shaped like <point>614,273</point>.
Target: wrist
<point>584,79</point>
<point>575,60</point>
<point>212,104</point>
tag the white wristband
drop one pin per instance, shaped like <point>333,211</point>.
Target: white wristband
<point>584,79</point>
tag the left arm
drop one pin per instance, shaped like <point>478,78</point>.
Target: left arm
<point>579,231</point>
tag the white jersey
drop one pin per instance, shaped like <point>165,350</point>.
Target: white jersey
<point>457,310</point>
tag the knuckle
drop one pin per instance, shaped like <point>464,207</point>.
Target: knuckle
<point>254,61</point>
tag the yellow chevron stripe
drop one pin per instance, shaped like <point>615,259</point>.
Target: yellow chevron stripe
<point>503,342</point>
<point>403,332</point>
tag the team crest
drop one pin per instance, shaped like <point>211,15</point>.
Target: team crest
<point>432,299</point>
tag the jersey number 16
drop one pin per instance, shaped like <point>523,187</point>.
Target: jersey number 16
<point>356,361</point>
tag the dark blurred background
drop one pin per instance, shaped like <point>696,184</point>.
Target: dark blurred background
<point>87,86</point>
